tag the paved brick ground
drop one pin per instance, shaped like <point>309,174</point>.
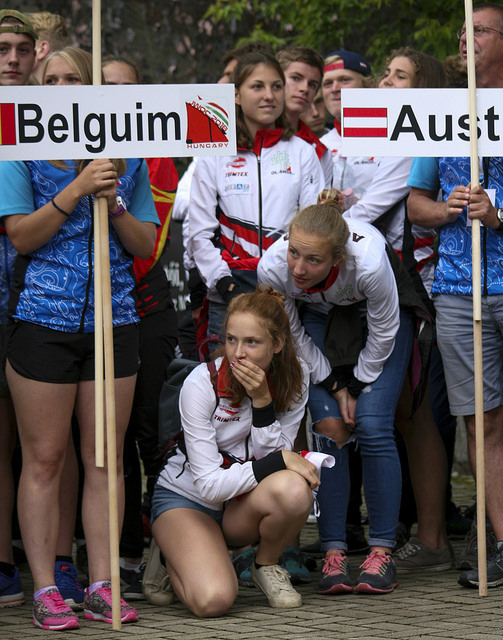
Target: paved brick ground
<point>426,606</point>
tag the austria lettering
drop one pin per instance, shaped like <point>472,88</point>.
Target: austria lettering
<point>419,122</point>
<point>49,123</point>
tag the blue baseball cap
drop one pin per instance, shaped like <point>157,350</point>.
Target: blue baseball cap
<point>350,60</point>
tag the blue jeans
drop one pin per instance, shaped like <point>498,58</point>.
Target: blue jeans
<point>375,413</point>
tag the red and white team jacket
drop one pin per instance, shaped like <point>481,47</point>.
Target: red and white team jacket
<point>242,204</point>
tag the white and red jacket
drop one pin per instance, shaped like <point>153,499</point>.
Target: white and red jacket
<point>240,205</point>
<point>380,187</point>
<point>324,155</point>
<point>216,431</point>
<point>364,274</point>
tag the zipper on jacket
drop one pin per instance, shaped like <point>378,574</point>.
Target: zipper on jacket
<point>259,171</point>
<point>90,262</point>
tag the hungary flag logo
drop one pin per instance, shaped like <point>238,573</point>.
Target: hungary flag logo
<point>207,121</point>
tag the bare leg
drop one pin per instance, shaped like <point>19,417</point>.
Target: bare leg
<point>95,497</point>
<point>274,512</point>
<point>493,452</point>
<point>197,560</point>
<point>428,468</point>
<point>7,440</point>
<point>335,429</point>
<point>68,495</point>
<point>43,412</point>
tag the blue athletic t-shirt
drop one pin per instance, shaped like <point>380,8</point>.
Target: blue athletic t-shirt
<point>453,274</point>
<point>54,284</point>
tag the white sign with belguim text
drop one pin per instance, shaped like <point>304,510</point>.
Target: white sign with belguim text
<point>125,121</point>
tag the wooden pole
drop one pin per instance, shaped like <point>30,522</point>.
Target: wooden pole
<point>477,311</point>
<point>101,230</point>
<point>99,402</point>
<point>113,509</point>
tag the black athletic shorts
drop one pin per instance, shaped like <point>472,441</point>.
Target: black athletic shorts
<point>4,387</point>
<point>47,355</point>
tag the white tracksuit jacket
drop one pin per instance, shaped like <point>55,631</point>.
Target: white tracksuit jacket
<point>364,274</point>
<point>248,200</point>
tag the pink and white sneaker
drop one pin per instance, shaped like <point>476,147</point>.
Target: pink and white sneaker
<point>98,606</point>
<point>51,612</point>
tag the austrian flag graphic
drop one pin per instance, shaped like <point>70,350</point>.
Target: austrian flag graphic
<point>365,122</point>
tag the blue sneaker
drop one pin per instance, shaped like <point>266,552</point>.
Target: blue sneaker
<point>65,575</point>
<point>494,572</point>
<point>242,565</point>
<point>335,575</point>
<point>291,560</point>
<point>11,592</point>
<point>378,574</point>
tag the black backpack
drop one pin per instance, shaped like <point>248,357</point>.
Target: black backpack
<point>170,425</point>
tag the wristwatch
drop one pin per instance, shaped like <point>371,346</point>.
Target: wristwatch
<point>499,215</point>
<point>121,208</point>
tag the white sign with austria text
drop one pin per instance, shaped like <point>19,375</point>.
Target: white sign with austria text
<point>419,122</point>
<point>116,121</point>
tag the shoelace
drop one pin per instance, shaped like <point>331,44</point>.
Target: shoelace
<point>282,576</point>
<point>68,577</point>
<point>334,563</point>
<point>54,602</point>
<point>105,593</point>
<point>165,584</point>
<point>410,549</point>
<point>376,563</point>
<point>471,541</point>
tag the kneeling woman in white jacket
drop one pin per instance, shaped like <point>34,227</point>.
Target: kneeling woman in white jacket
<point>235,481</point>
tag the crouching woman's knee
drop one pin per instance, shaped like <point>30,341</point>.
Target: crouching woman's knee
<point>293,493</point>
<point>215,600</point>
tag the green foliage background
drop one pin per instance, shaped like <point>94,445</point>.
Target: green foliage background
<point>371,27</point>
<point>184,40</point>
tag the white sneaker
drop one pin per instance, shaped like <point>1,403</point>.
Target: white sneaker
<point>156,584</point>
<point>274,582</point>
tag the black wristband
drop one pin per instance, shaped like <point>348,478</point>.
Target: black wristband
<point>65,213</point>
<point>197,288</point>
<point>341,375</point>
<point>355,386</point>
<point>328,383</point>
<point>270,464</point>
<point>263,416</point>
<point>223,289</point>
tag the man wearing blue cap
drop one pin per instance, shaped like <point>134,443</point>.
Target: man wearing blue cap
<point>344,70</point>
